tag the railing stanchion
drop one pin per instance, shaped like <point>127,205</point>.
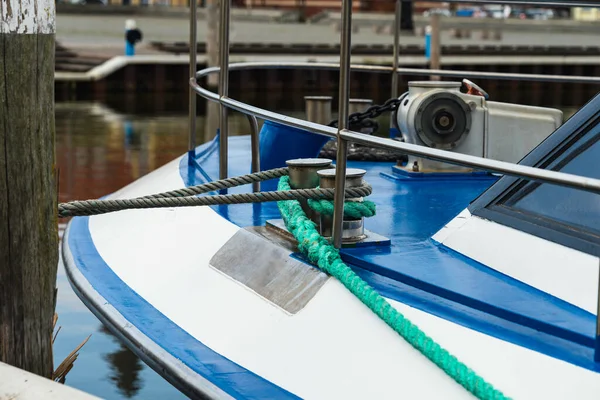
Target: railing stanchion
<point>192,93</point>
<point>435,46</point>
<point>224,87</point>
<point>597,347</point>
<point>254,143</point>
<point>396,64</point>
<point>343,101</point>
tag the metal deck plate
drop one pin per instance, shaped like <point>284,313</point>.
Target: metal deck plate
<point>259,259</point>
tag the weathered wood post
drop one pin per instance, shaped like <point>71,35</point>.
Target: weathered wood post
<point>28,209</point>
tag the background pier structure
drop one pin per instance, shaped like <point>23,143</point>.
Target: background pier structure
<point>28,192</point>
<point>91,39</point>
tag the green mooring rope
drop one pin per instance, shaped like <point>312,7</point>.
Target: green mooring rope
<point>327,257</point>
<point>352,209</point>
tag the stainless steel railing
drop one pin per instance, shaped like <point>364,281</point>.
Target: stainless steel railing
<point>506,168</point>
<point>396,60</point>
<point>193,69</point>
<point>343,123</point>
<point>223,87</point>
<point>342,134</point>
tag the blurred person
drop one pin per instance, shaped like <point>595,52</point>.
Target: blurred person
<point>132,36</point>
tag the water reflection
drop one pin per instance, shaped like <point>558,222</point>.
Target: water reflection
<point>99,151</point>
<point>105,367</point>
<point>126,368</point>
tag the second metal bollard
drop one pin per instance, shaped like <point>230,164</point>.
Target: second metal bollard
<point>353,229</point>
<point>360,105</point>
<point>318,109</point>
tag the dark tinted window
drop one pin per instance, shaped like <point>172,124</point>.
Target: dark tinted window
<point>562,215</point>
<point>565,205</point>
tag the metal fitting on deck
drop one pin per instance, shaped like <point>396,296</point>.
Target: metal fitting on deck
<point>318,109</point>
<point>303,175</point>
<point>353,230</point>
<point>360,105</point>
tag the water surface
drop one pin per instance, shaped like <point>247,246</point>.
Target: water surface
<point>99,151</point>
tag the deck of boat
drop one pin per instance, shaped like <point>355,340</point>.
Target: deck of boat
<point>208,332</point>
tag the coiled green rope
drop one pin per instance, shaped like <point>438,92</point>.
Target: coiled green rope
<point>327,257</point>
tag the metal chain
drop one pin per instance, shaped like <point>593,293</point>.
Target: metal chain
<point>364,119</point>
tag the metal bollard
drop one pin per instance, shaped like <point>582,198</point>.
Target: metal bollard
<point>360,105</point>
<point>353,230</point>
<point>318,109</point>
<point>303,175</point>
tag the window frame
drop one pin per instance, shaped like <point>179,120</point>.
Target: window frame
<point>491,204</point>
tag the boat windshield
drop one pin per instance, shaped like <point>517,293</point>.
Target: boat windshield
<point>566,205</point>
<point>563,215</point>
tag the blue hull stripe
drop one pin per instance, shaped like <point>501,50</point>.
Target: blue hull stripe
<point>222,372</point>
<point>483,322</point>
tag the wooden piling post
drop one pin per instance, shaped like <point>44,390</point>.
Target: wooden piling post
<point>28,209</point>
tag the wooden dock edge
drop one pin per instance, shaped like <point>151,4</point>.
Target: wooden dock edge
<point>116,63</point>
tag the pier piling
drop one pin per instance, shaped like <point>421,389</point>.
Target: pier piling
<point>28,201</point>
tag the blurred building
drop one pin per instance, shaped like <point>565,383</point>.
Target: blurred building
<point>585,13</point>
<point>315,6</point>
<point>176,3</point>
<point>309,5</point>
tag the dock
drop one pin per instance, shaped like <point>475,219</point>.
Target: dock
<point>99,32</point>
<point>93,64</point>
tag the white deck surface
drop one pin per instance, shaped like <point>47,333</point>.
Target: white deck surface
<point>563,272</point>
